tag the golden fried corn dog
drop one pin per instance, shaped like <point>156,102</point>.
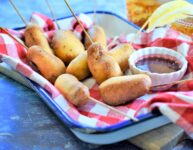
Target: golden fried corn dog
<point>69,86</point>
<point>120,90</point>
<point>101,65</point>
<point>66,45</point>
<point>49,65</point>
<point>34,36</point>
<point>97,34</point>
<point>79,66</point>
<point>121,54</point>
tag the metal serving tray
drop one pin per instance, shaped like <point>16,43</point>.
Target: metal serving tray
<point>113,25</point>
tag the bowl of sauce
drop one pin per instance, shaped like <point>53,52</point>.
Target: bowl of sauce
<point>163,65</point>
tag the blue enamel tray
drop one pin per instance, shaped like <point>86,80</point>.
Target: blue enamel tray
<point>113,25</point>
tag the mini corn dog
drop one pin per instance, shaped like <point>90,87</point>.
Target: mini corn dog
<point>66,45</point>
<point>101,65</point>
<point>79,66</point>
<point>120,90</point>
<point>121,54</point>
<point>49,65</point>
<point>77,93</point>
<point>97,34</point>
<point>34,36</point>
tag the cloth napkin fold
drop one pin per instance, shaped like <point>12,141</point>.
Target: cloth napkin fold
<point>176,104</point>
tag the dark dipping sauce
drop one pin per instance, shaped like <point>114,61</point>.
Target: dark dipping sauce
<point>158,65</point>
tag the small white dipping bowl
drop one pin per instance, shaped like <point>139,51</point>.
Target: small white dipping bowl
<point>159,78</point>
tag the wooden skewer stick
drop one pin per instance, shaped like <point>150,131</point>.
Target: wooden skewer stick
<point>4,30</point>
<point>173,83</point>
<point>141,29</point>
<point>114,109</point>
<point>85,32</point>
<point>17,11</point>
<point>53,14</point>
<point>95,7</point>
<point>112,42</point>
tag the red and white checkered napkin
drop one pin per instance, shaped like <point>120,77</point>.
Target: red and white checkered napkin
<point>176,105</point>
